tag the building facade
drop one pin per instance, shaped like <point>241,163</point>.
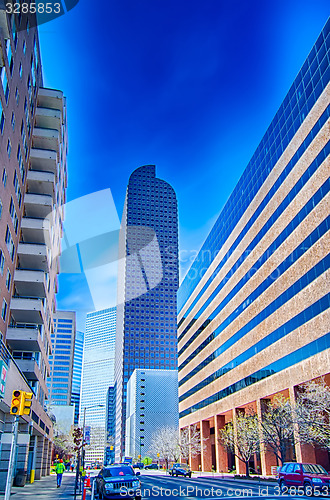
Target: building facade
<point>59,382</point>
<point>147,285</point>
<point>254,307</point>
<point>76,373</point>
<point>97,376</point>
<point>33,149</point>
<point>152,404</point>
<point>109,457</point>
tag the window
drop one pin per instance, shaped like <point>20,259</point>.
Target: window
<point>4,177</point>
<point>17,96</point>
<point>4,310</point>
<point>20,163</point>
<point>9,148</point>
<point>10,243</point>
<point>2,118</point>
<point>2,261</point>
<point>1,206</point>
<point>10,57</point>
<point>5,84</point>
<point>21,71</point>
<point>13,214</point>
<point>8,280</point>
<point>13,120</point>
<point>17,189</point>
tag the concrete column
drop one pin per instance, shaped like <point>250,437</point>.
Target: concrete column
<point>39,456</point>
<point>239,465</point>
<point>206,446</point>
<point>267,457</point>
<point>220,451</point>
<point>194,459</point>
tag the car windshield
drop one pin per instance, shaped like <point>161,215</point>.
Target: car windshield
<point>183,466</point>
<point>314,469</point>
<point>118,471</point>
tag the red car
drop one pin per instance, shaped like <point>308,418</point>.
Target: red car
<point>304,479</point>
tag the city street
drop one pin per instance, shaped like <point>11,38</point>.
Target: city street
<point>158,485</point>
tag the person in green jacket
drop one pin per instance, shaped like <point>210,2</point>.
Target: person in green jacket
<point>59,469</point>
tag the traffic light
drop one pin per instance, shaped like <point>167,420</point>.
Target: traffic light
<point>27,403</point>
<point>16,403</point>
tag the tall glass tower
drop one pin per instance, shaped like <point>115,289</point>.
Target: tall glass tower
<point>76,373</point>
<point>148,278</point>
<point>97,376</point>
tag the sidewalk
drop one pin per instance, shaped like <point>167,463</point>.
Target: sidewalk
<point>45,489</point>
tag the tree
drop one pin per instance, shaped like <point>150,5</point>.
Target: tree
<point>63,445</point>
<point>244,441</point>
<point>312,413</point>
<point>190,442</point>
<point>166,443</point>
<point>277,426</point>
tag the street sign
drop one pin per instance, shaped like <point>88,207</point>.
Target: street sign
<point>3,377</point>
<point>87,438</point>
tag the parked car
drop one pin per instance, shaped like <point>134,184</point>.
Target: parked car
<point>138,465</point>
<point>307,478</point>
<point>152,466</point>
<point>180,470</point>
<point>118,481</point>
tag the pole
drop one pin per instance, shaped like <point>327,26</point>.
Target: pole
<point>11,458</point>
<point>83,441</point>
<point>77,475</point>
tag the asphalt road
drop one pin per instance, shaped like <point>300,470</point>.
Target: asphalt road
<point>166,487</point>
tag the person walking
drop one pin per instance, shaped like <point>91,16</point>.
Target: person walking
<point>59,469</point>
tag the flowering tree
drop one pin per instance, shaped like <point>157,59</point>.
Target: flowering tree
<point>244,441</point>
<point>165,442</point>
<point>190,442</point>
<point>312,412</point>
<point>278,426</point>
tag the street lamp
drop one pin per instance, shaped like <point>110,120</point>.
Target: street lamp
<point>83,429</point>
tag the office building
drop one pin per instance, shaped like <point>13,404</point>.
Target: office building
<point>109,456</point>
<point>97,377</point>
<point>59,382</point>
<point>152,404</point>
<point>254,307</point>
<point>76,373</point>
<point>33,149</point>
<point>147,285</point>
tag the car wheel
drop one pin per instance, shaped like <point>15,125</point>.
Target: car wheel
<point>189,475</point>
<point>282,485</point>
<point>308,490</point>
<point>176,474</point>
<point>100,495</point>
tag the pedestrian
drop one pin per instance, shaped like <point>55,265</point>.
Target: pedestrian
<point>59,469</point>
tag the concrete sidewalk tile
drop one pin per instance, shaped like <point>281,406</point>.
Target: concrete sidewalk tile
<point>46,489</point>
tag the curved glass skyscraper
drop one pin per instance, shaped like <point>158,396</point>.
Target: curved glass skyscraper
<point>147,284</point>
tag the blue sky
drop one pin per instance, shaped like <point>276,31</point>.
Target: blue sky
<point>188,86</point>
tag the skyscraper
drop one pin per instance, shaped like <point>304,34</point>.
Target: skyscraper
<point>33,151</point>
<point>97,377</point>
<point>152,403</point>
<point>254,306</point>
<point>59,382</point>
<point>147,285</point>
<point>76,373</point>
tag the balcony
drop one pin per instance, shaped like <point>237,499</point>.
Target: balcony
<point>44,160</point>
<point>30,369</point>
<point>24,339</point>
<point>27,310</point>
<point>36,231</point>
<point>38,205</point>
<point>48,118</point>
<point>41,183</point>
<point>32,256</point>
<point>50,98</point>
<point>30,283</point>
<point>45,138</point>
